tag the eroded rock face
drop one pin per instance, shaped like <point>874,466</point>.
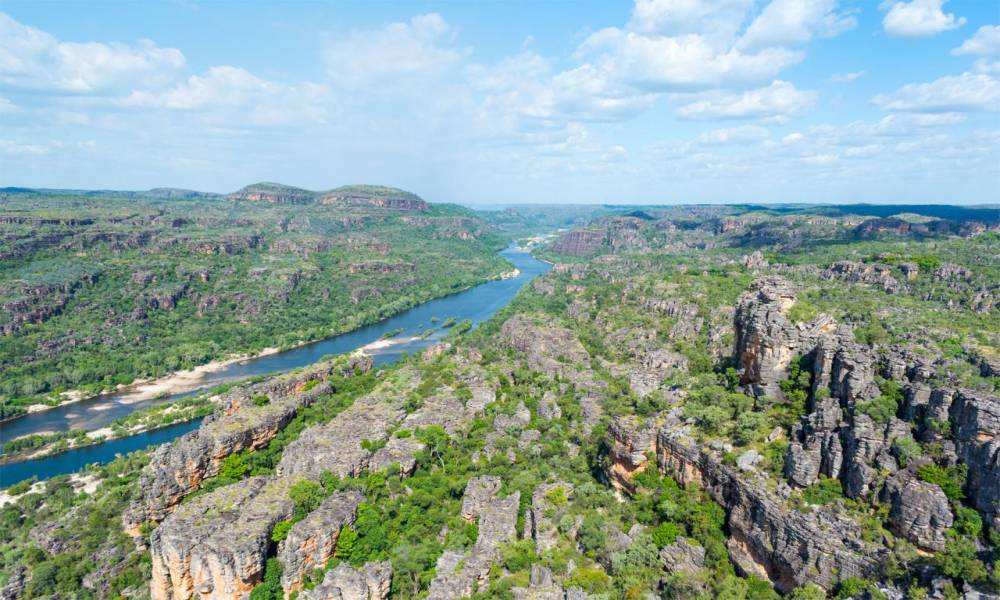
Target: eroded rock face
<point>788,547</point>
<point>542,587</point>
<point>313,540</point>
<point>541,523</point>
<point>344,582</point>
<point>461,574</point>
<point>216,545</point>
<point>550,350</point>
<point>682,557</point>
<point>177,469</point>
<point>766,341</point>
<point>919,510</point>
<point>337,445</point>
<point>633,439</point>
<point>580,242</point>
<point>857,272</point>
<point>975,422</point>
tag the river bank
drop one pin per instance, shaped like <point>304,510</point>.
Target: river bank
<point>473,305</point>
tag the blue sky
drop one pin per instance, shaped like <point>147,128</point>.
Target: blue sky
<point>657,101</point>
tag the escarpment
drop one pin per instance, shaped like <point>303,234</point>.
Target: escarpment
<point>767,538</point>
<point>252,416</point>
<point>216,545</point>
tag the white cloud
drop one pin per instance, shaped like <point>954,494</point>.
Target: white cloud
<point>744,134</point>
<point>985,42</point>
<point>919,18</point>
<point>672,17</point>
<point>31,59</point>
<point>795,22</point>
<point>780,99</point>
<point>847,77</point>
<point>968,92</point>
<point>227,87</point>
<point>397,54</point>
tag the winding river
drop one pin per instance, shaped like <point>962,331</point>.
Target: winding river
<point>476,304</point>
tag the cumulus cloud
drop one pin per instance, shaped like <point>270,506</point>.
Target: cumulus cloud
<point>985,42</point>
<point>796,22</point>
<point>401,52</point>
<point>968,92</point>
<point>227,87</point>
<point>780,99</point>
<point>919,18</point>
<point>673,17</point>
<point>744,134</point>
<point>31,59</point>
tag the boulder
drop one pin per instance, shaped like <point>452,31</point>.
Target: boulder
<point>344,582</point>
<point>919,511</point>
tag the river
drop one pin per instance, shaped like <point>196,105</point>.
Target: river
<point>476,304</point>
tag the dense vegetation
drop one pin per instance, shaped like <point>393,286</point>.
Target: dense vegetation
<point>97,291</point>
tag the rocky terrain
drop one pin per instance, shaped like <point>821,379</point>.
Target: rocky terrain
<point>708,406</point>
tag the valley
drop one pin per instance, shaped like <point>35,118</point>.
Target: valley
<point>693,402</point>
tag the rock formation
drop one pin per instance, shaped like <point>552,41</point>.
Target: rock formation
<point>216,545</point>
<point>461,574</point>
<point>312,541</point>
<point>919,511</point>
<point>177,469</point>
<point>343,582</point>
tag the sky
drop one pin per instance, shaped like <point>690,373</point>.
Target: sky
<point>656,101</point>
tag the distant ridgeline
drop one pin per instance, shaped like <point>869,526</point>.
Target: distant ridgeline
<point>780,227</point>
<point>98,288</point>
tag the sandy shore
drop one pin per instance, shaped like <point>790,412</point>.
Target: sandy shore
<point>182,381</point>
<point>383,344</point>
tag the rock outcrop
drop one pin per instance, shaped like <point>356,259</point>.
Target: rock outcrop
<point>581,242</point>
<point>975,424</point>
<point>766,340</point>
<point>541,522</point>
<point>460,574</point>
<point>542,587</point>
<point>312,541</point>
<point>177,469</point>
<point>919,510</point>
<point>216,545</point>
<point>344,582</point>
<point>767,539</point>
<point>682,557</point>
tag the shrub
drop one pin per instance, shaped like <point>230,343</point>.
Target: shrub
<point>825,491</point>
<point>591,580</point>
<point>802,311</point>
<point>968,521</point>
<point>260,400</point>
<point>958,560</point>
<point>307,496</point>
<point>905,449</point>
<point>280,531</point>
<point>665,534</point>
<point>518,556</point>
<point>950,479</point>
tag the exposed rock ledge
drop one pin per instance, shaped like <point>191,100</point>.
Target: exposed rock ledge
<point>767,539</point>
<point>177,469</point>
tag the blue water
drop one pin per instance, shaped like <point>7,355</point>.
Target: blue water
<point>475,304</point>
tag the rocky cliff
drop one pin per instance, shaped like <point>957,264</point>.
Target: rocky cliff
<point>177,469</point>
